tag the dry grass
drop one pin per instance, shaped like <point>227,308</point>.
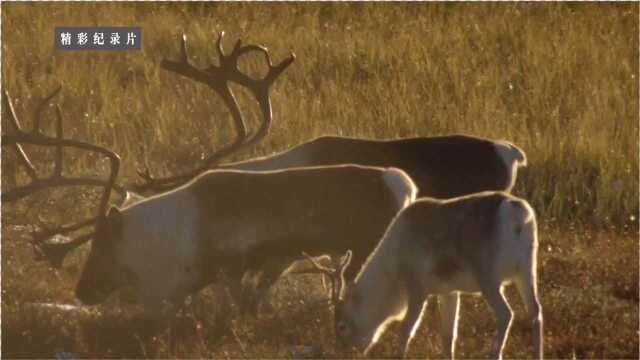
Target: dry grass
<point>589,293</point>
<point>559,80</point>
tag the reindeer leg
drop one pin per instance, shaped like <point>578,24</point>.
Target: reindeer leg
<point>528,291</point>
<point>449,306</point>
<point>492,292</point>
<point>411,320</point>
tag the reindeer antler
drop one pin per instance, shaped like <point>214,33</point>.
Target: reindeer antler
<point>54,252</point>
<point>218,79</point>
<point>335,275</point>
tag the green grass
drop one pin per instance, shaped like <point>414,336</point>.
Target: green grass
<point>558,80</point>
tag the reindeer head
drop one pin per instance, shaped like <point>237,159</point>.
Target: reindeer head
<point>343,299</point>
<point>351,332</point>
<point>102,274</point>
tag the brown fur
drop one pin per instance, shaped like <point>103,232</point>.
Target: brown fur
<point>442,167</point>
<point>315,210</point>
<point>455,245</point>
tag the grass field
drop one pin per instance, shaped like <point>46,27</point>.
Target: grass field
<point>558,80</point>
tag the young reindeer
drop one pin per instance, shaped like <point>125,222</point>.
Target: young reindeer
<point>472,244</point>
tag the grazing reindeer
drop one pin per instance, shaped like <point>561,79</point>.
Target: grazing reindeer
<point>235,221</point>
<point>475,243</point>
<point>173,244</point>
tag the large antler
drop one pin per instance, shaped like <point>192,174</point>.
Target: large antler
<point>54,252</point>
<point>335,275</point>
<point>218,78</point>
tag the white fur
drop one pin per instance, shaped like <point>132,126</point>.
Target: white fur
<point>152,251</point>
<point>131,198</point>
<point>165,245</point>
<point>512,158</point>
<point>397,181</point>
<point>511,154</point>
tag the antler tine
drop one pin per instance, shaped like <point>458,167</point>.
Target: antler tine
<point>57,179</point>
<point>319,267</point>
<point>22,156</point>
<point>258,87</point>
<point>219,45</point>
<point>184,66</point>
<point>344,263</point>
<point>239,50</point>
<point>37,116</point>
<point>333,274</point>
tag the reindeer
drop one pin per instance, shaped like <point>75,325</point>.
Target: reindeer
<point>237,221</point>
<point>173,244</point>
<point>473,244</point>
<point>441,167</point>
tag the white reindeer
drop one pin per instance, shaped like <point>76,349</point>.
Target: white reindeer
<point>471,244</point>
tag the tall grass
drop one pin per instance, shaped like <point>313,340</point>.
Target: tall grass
<point>559,80</point>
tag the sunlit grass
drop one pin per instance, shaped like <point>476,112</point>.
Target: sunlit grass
<point>559,80</point>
